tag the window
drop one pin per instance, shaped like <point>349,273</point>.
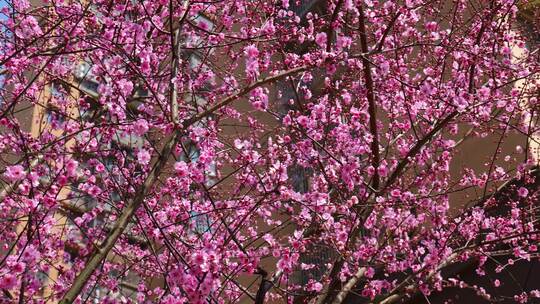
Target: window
<point>82,70</point>
<point>316,257</point>
<point>89,87</point>
<point>2,82</point>
<point>283,101</point>
<point>200,222</point>
<point>201,71</point>
<point>302,7</point>
<point>197,39</point>
<point>192,155</point>
<point>55,118</point>
<point>126,291</point>
<point>58,90</point>
<point>87,80</point>
<point>74,234</point>
<point>80,200</point>
<point>128,140</point>
<point>88,108</point>
<point>299,177</point>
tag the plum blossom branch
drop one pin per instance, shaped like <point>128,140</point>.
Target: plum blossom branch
<point>128,212</point>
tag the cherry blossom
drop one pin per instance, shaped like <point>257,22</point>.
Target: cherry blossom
<point>14,173</point>
<point>143,157</point>
<point>338,151</point>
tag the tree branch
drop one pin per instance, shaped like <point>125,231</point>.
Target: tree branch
<point>118,229</point>
<point>175,46</point>
<point>340,297</point>
<point>372,108</point>
<point>330,31</point>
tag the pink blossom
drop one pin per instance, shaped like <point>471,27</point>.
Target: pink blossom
<point>259,99</point>
<point>30,254</point>
<point>181,169</point>
<point>18,267</point>
<point>343,42</point>
<point>370,221</point>
<point>431,26</point>
<point>100,168</point>
<point>346,98</point>
<point>385,67</point>
<point>14,173</point>
<point>71,167</point>
<point>395,193</point>
<point>29,28</point>
<point>523,192</point>
<point>94,191</point>
<point>382,170</point>
<point>252,62</point>
<point>143,157</point>
<point>140,127</point>
<point>8,281</point>
<point>317,287</point>
<point>251,51</point>
<point>370,272</point>
<point>125,87</point>
<point>320,39</point>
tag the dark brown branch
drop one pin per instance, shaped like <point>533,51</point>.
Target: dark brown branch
<point>330,31</point>
<point>380,44</point>
<point>264,287</point>
<point>372,108</point>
